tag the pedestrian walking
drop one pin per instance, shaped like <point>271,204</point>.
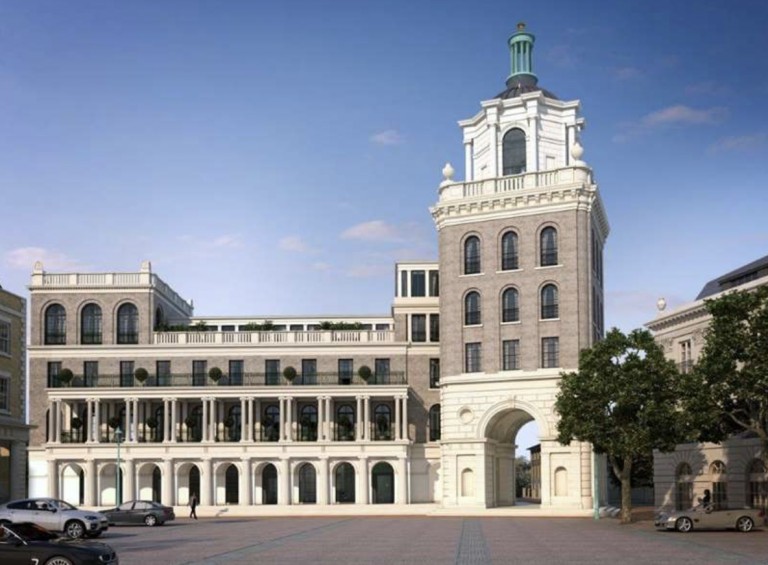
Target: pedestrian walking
<point>193,506</point>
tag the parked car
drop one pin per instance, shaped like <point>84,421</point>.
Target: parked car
<point>26,543</point>
<point>55,515</point>
<point>139,512</point>
<point>705,518</point>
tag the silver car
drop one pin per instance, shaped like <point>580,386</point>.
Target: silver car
<point>704,517</point>
<point>55,515</point>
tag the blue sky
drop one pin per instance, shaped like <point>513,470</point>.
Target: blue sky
<point>279,157</point>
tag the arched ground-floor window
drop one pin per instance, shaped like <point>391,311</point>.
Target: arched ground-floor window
<point>344,480</point>
<point>383,483</point>
<point>269,484</point>
<point>307,484</point>
<point>231,485</point>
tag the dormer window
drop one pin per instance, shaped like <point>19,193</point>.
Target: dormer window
<point>513,152</point>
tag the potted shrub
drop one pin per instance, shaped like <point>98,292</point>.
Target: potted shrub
<point>365,372</point>
<point>289,373</point>
<point>141,374</point>
<point>229,421</point>
<point>66,376</point>
<point>214,373</point>
<point>152,422</point>
<point>190,421</point>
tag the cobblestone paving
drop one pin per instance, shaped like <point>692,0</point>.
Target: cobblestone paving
<point>429,540</point>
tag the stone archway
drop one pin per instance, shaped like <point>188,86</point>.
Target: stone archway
<point>149,482</point>
<point>73,484</point>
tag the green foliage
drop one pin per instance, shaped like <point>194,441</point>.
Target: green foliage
<point>624,401</point>
<point>114,422</point>
<point>214,373</point>
<point>522,475</point>
<point>66,376</point>
<point>76,423</point>
<point>229,421</point>
<point>152,422</point>
<point>190,421</point>
<point>267,326</point>
<point>141,374</point>
<point>289,373</point>
<point>365,372</point>
<point>336,326</point>
<point>727,391</point>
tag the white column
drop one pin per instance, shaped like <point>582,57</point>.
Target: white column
<point>57,421</point>
<point>243,419</point>
<point>362,482</point>
<point>405,416</point>
<point>53,478</point>
<point>367,418</point>
<point>168,496</point>
<point>283,424</point>
<point>289,419</point>
<point>533,144</point>
<point>359,418</point>
<point>206,483</point>
<point>468,161</point>
<point>323,482</point>
<point>213,412</point>
<point>135,420</point>
<point>493,137</point>
<point>246,483</point>
<point>320,418</point>
<point>328,419</point>
<point>89,496</point>
<point>126,424</point>
<point>130,480</point>
<point>284,489</point>
<point>255,420</point>
<point>97,421</point>
<point>401,482</point>
<point>174,420</point>
<point>166,420</point>
<point>205,422</point>
<point>398,428</point>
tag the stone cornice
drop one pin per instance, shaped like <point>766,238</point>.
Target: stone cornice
<point>523,202</point>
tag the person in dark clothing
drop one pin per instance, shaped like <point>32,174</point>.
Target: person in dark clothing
<point>193,506</point>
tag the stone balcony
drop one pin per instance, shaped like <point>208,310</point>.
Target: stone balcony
<point>567,176</point>
<point>271,337</point>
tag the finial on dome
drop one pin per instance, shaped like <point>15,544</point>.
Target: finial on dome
<point>38,268</point>
<point>520,26</point>
<point>661,304</point>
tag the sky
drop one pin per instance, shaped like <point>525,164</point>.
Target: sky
<point>277,158</point>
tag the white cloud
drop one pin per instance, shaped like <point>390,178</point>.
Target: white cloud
<point>739,143</point>
<point>387,137</point>
<point>226,241</point>
<point>681,114</point>
<point>677,115</point>
<point>564,56</point>
<point>627,73</point>
<point>708,87</point>
<point>367,271</point>
<point>321,267</point>
<point>375,230</point>
<point>293,243</point>
<point>25,258</point>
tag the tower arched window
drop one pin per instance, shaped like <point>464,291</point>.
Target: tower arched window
<point>434,423</point>
<point>510,306</point>
<point>472,255</point>
<point>55,325</point>
<point>127,324</point>
<point>548,247</point>
<point>472,315</point>
<point>308,423</point>
<point>509,251</point>
<point>345,423</point>
<point>549,302</point>
<point>382,422</point>
<point>513,152</point>
<point>90,324</point>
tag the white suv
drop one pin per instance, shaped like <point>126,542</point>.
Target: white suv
<point>55,515</point>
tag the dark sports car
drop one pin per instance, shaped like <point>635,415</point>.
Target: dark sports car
<point>136,512</point>
<point>26,543</point>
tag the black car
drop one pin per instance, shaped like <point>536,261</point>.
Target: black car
<point>136,512</point>
<point>26,543</point>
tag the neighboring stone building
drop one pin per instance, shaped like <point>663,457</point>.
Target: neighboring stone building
<point>733,471</point>
<point>472,350</point>
<point>14,433</point>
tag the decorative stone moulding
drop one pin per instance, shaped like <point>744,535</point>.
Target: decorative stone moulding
<point>466,415</point>
<point>448,172</point>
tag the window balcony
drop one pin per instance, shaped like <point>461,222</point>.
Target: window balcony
<point>272,337</point>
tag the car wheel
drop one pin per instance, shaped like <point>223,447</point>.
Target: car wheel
<point>150,520</point>
<point>59,560</point>
<point>745,524</point>
<point>684,524</point>
<point>74,529</point>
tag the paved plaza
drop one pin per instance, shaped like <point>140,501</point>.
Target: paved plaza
<point>426,540</point>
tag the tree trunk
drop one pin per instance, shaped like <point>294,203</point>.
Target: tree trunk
<point>626,491</point>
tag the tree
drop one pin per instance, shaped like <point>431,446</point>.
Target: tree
<point>522,475</point>
<point>624,401</point>
<point>727,391</point>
